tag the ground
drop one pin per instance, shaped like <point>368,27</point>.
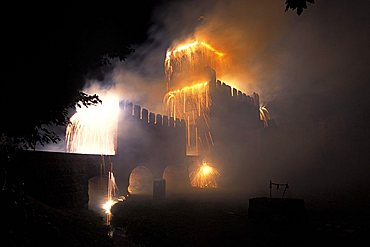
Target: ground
<point>38,224</point>
<point>204,219</point>
<point>224,221</point>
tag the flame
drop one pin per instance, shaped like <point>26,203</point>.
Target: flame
<point>264,115</point>
<point>186,62</point>
<point>205,176</point>
<point>192,104</point>
<point>108,205</point>
<point>93,129</point>
<point>190,56</point>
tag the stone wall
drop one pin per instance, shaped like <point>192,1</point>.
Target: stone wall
<point>57,179</point>
<point>147,139</point>
<point>236,128</point>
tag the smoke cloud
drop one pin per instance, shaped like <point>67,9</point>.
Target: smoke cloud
<point>310,70</point>
<point>245,31</point>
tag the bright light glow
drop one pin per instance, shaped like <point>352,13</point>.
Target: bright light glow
<point>205,176</point>
<point>192,104</point>
<point>264,115</point>
<point>192,55</point>
<point>108,205</point>
<point>205,170</point>
<point>111,200</point>
<point>93,129</point>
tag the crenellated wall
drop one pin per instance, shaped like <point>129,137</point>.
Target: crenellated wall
<point>234,104</point>
<point>141,115</point>
<point>147,139</point>
<point>235,125</point>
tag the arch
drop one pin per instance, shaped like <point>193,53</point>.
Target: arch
<point>141,181</point>
<point>177,179</point>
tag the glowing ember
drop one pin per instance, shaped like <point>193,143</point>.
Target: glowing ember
<point>108,205</point>
<point>192,56</point>
<point>111,191</point>
<point>192,104</point>
<point>264,115</point>
<point>205,176</point>
<point>93,130</point>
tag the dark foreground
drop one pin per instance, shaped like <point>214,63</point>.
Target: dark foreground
<point>33,223</point>
<point>220,221</point>
<point>205,219</point>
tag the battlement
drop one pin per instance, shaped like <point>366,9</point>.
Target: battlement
<point>151,119</point>
<point>227,93</point>
<point>232,103</point>
<point>148,139</point>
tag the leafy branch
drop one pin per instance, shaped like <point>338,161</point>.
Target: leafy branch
<point>297,4</point>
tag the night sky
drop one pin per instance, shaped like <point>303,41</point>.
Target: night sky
<point>52,49</point>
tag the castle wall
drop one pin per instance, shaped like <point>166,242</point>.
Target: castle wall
<point>144,139</point>
<point>58,179</point>
<point>235,126</point>
<point>156,142</point>
<point>147,139</point>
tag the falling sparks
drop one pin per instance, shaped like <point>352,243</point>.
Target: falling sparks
<point>264,115</point>
<point>111,200</point>
<point>192,104</point>
<point>112,186</point>
<point>186,62</point>
<point>192,56</point>
<point>93,129</point>
<point>205,176</point>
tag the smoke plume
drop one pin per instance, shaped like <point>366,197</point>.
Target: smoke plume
<point>310,70</point>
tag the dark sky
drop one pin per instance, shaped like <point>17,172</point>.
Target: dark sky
<point>50,50</point>
<point>55,42</point>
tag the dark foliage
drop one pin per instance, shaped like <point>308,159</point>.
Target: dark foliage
<point>37,130</point>
<point>50,53</point>
<point>297,4</point>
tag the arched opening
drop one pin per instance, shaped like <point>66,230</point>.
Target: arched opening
<point>141,181</point>
<point>177,179</point>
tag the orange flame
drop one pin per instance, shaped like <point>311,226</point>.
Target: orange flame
<point>205,176</point>
<point>192,104</point>
<point>111,198</point>
<point>191,56</point>
<point>264,115</point>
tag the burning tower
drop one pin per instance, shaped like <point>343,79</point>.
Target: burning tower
<point>210,129</point>
<point>222,123</point>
